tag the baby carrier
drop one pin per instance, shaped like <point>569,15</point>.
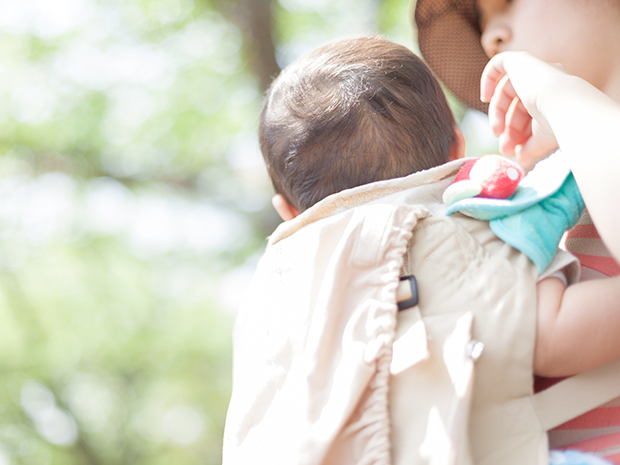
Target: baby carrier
<point>327,370</point>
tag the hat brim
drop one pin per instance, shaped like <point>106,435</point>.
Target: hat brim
<point>449,40</point>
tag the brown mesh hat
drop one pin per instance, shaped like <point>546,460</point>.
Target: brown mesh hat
<point>449,40</point>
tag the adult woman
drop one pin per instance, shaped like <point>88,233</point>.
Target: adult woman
<point>457,38</point>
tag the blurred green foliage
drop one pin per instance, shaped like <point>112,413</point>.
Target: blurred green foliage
<point>134,206</point>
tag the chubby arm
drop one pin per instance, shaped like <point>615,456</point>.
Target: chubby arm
<point>536,107</point>
<point>578,327</point>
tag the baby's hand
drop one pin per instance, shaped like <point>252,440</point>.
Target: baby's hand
<point>515,83</point>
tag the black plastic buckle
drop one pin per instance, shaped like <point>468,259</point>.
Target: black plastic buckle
<point>413,301</point>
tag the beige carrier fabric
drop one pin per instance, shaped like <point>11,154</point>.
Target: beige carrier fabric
<point>488,415</point>
<point>466,274</point>
<point>313,345</point>
<point>577,395</point>
<point>323,365</point>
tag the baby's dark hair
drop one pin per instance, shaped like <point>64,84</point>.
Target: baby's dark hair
<point>350,113</point>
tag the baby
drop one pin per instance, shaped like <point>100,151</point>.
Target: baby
<point>360,111</point>
<point>346,126</point>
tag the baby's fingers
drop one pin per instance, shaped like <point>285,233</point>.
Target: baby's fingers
<point>500,105</point>
<point>529,153</point>
<point>535,148</point>
<point>491,76</point>
<point>518,128</point>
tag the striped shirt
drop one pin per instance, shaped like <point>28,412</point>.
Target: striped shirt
<point>597,431</point>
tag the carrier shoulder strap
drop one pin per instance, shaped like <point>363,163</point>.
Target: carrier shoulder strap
<point>577,395</point>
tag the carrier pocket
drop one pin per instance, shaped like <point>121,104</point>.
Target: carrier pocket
<point>411,346</point>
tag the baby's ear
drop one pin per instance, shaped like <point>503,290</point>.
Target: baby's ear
<point>458,148</point>
<point>286,211</point>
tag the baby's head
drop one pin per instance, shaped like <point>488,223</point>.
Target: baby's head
<point>350,113</point>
